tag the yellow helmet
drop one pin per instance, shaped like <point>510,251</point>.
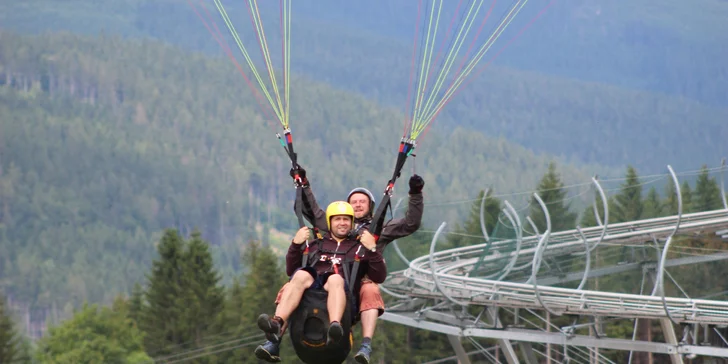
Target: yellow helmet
<point>337,208</point>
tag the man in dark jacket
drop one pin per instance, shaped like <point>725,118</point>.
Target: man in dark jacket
<point>325,272</point>
<point>363,202</point>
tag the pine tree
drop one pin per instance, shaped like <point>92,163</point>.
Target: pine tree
<point>471,233</point>
<point>184,298</point>
<point>163,319</point>
<point>707,193</point>
<point>588,219</point>
<point>551,190</point>
<point>687,197</point>
<point>669,208</point>
<point>8,335</point>
<point>652,207</point>
<point>136,303</point>
<point>201,286</point>
<point>263,279</point>
<point>628,203</point>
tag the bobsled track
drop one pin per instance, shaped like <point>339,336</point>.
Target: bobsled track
<point>464,292</point>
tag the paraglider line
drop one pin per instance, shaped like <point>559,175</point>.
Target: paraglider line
<point>220,40</point>
<point>263,43</point>
<point>471,65</point>
<point>422,84</point>
<point>442,45</point>
<point>462,35</point>
<point>449,97</point>
<point>233,32</point>
<point>407,118</point>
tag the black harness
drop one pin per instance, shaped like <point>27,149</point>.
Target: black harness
<point>309,260</point>
<point>309,322</point>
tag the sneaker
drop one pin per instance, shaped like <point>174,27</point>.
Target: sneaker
<point>363,355</point>
<point>272,328</point>
<point>335,333</point>
<point>269,352</point>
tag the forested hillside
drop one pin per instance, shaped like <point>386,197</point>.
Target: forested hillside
<point>670,50</point>
<point>107,142</point>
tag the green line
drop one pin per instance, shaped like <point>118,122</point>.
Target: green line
<point>429,60</point>
<point>469,68</point>
<point>450,60</point>
<point>239,43</point>
<point>287,15</point>
<point>422,69</point>
<point>266,54</point>
<point>228,22</point>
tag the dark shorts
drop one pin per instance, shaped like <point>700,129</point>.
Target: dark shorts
<point>319,280</point>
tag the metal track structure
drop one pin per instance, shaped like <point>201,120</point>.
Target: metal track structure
<point>461,292</point>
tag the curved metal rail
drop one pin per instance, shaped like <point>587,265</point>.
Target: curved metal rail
<point>451,266</point>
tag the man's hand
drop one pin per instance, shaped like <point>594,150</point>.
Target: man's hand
<point>301,173</point>
<point>367,239</point>
<point>300,170</point>
<point>416,183</point>
<point>301,236</point>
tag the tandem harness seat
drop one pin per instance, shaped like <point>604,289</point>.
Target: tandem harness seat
<point>309,323</point>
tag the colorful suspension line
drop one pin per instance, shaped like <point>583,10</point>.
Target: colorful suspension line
<point>278,98</point>
<point>433,93</point>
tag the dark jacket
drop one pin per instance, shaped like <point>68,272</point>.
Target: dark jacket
<point>371,263</point>
<point>392,230</point>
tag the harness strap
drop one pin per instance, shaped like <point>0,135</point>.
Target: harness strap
<point>355,268</point>
<point>299,206</point>
<point>304,260</point>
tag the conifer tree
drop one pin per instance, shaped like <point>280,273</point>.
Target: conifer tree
<point>183,299</point>
<point>470,233</point>
<point>707,193</point>
<point>263,278</point>
<point>687,197</point>
<point>669,207</point>
<point>245,301</point>
<point>201,286</point>
<point>551,190</point>
<point>8,335</point>
<point>628,203</point>
<point>136,303</point>
<point>588,219</point>
<point>163,319</point>
<point>652,206</point>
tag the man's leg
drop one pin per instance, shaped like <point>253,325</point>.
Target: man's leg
<point>270,349</point>
<point>290,299</point>
<point>336,304</point>
<point>370,308</point>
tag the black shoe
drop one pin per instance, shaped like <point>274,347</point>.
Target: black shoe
<point>335,333</point>
<point>272,328</point>
<point>362,356</point>
<point>269,352</point>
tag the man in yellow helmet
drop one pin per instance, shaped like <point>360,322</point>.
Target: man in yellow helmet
<point>324,271</point>
<point>371,304</point>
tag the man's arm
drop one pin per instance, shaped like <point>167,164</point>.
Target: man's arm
<point>312,212</point>
<point>399,228</point>
<point>294,258</point>
<point>377,268</point>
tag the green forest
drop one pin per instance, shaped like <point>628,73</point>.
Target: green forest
<point>135,166</point>
<point>210,322</point>
<point>642,82</point>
